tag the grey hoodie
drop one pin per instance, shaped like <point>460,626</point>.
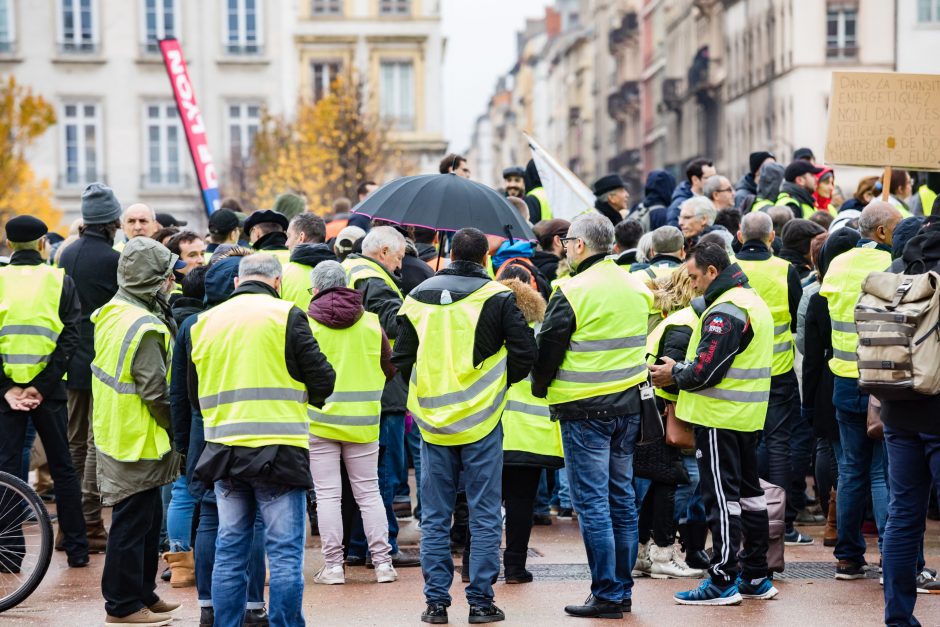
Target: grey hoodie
<point>771,176</point>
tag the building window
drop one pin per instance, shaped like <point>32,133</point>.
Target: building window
<point>78,26</point>
<point>243,27</point>
<point>323,73</point>
<point>7,35</point>
<point>160,22</point>
<point>396,89</point>
<point>840,31</point>
<point>244,119</point>
<point>164,145</point>
<point>82,142</point>
<point>928,11</point>
<point>326,7</point>
<point>394,7</point>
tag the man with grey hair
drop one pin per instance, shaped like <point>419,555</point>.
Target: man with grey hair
<point>257,432</point>
<point>138,220</point>
<point>862,457</point>
<point>667,246</point>
<point>779,216</point>
<point>696,216</point>
<point>375,274</point>
<point>718,189</point>
<point>786,437</point>
<point>590,365</point>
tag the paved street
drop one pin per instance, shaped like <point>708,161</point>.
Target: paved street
<point>809,595</point>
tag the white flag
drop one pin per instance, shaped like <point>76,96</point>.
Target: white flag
<point>567,195</point>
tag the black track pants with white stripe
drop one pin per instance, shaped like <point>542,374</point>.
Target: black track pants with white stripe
<point>734,503</point>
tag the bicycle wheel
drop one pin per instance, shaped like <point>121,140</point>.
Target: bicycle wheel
<point>25,541</point>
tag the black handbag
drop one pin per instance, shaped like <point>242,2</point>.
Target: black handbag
<point>651,422</point>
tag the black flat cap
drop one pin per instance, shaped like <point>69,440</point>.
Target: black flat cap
<point>513,171</point>
<point>261,217</point>
<point>223,221</point>
<point>22,229</point>
<point>608,183</point>
<point>799,168</point>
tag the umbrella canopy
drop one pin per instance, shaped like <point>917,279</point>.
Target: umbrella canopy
<point>445,202</point>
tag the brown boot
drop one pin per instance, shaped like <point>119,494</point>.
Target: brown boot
<point>830,535</point>
<point>182,568</point>
<point>97,536</point>
<point>59,539</point>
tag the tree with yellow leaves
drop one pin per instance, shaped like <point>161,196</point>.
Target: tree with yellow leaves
<point>24,117</point>
<point>325,152</point>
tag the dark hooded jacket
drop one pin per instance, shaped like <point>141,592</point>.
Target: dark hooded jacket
<point>276,240</point>
<point>312,254</point>
<point>547,264</point>
<point>603,207</point>
<point>852,203</point>
<point>743,188</point>
<point>532,181</point>
<point>905,230</point>
<point>679,195</point>
<point>656,198</point>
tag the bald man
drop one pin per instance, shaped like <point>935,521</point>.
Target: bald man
<point>139,220</point>
<point>862,458</point>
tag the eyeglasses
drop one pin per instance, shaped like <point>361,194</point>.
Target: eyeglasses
<point>725,189</point>
<point>564,240</point>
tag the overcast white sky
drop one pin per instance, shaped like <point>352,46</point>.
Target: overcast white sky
<point>481,46</point>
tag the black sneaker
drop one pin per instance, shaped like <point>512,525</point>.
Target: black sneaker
<point>485,614</point>
<point>206,616</point>
<point>626,605</point>
<point>596,608</point>
<point>518,576</point>
<point>795,538</point>
<point>78,561</point>
<point>256,618</point>
<point>355,560</point>
<point>847,570</point>
<point>436,614</point>
<point>541,520</point>
<point>565,513</point>
<point>699,559</point>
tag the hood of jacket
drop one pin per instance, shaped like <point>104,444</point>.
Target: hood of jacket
<point>312,254</point>
<point>905,230</point>
<point>851,204</point>
<point>838,242</point>
<point>220,280</point>
<point>746,183</point>
<point>143,267</point>
<point>659,187</point>
<point>337,308</point>
<point>771,177</point>
<point>683,191</point>
<point>531,178</point>
<point>530,302</point>
<point>184,306</point>
<point>731,277</point>
<point>276,240</point>
<point>924,247</point>
<point>519,248</point>
<point>821,202</point>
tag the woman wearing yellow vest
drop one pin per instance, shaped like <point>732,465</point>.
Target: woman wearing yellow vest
<point>346,429</point>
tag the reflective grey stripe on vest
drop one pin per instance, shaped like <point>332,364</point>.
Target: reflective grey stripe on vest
<point>781,328</point>
<point>252,394</point>
<point>461,396</point>
<point>588,346</point>
<point>844,327</point>
<point>604,376</point>
<point>844,355</point>
<point>257,428</point>
<point>730,309</point>
<point>748,373</point>
<point>354,397</point>
<point>29,329</point>
<point>782,348</point>
<point>527,408</point>
<point>466,423</point>
<point>736,396</point>
<point>112,382</point>
<point>345,421</point>
<point>129,338</point>
<point>25,360</point>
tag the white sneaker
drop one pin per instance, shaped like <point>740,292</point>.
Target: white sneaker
<point>643,563</point>
<point>668,564</point>
<point>330,575</point>
<point>385,573</point>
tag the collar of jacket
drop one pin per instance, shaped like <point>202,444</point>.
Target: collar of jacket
<point>672,260</point>
<point>26,258</point>
<point>870,243</point>
<point>272,241</point>
<point>798,193</point>
<point>729,278</point>
<point>754,250</point>
<point>588,262</point>
<point>255,287</point>
<point>395,277</point>
<point>609,212</point>
<point>465,268</point>
<point>312,254</point>
<point>97,231</point>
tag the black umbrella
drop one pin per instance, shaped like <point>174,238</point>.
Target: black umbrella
<point>445,202</point>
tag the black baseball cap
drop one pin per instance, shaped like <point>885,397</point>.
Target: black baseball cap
<point>804,154</point>
<point>167,219</point>
<point>799,168</point>
<point>223,221</point>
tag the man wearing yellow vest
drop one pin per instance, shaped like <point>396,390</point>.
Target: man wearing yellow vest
<point>306,235</point>
<point>536,198</point>
<point>796,192</point>
<point>461,341</point>
<point>373,273</point>
<point>131,421</point>
<point>724,385</point>
<point>777,282</point>
<point>39,332</point>
<point>591,362</point>
<point>266,232</point>
<point>861,460</point>
<point>254,369</point>
<point>668,248</point>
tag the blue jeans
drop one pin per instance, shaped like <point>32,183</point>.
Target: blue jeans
<point>391,453</point>
<point>599,460</point>
<point>179,516</point>
<point>403,492</point>
<point>542,505</point>
<point>284,511</point>
<point>861,464</point>
<point>913,459</point>
<point>481,466</point>
<point>689,506</point>
<point>561,495</point>
<point>206,534</point>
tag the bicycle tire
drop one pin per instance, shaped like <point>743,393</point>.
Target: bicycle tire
<point>17,485</point>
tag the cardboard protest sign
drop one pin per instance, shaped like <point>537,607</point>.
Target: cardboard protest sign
<point>884,119</point>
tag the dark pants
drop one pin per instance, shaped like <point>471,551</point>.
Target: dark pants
<point>50,420</point>
<point>802,446</point>
<point>206,534</point>
<point>734,503</point>
<point>775,452</point>
<point>520,485</point>
<point>914,462</point>
<point>657,515</point>
<point>826,472</point>
<point>129,578</point>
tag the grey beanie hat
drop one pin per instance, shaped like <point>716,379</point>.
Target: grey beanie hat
<point>99,205</point>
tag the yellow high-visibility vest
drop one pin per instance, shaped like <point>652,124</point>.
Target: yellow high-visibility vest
<point>769,280</point>
<point>29,319</point>
<point>540,194</point>
<point>359,268</point>
<point>681,318</point>
<point>296,284</point>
